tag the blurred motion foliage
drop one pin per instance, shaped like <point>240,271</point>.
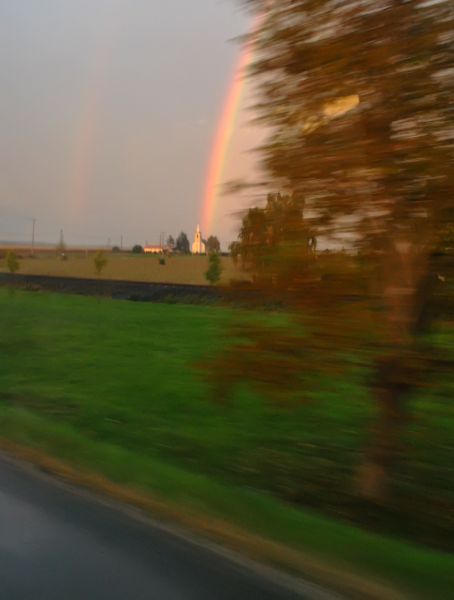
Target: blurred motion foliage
<point>121,374</point>
<point>357,96</point>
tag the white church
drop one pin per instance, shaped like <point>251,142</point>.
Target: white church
<point>198,247</point>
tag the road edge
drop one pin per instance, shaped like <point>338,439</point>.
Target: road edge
<point>287,567</point>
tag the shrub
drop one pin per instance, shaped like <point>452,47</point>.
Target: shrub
<point>12,262</point>
<point>100,262</point>
<point>213,273</point>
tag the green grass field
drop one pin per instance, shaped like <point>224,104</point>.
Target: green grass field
<point>129,267</point>
<point>112,386</point>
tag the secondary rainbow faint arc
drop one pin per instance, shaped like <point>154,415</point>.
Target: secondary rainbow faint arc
<point>84,150</point>
<point>88,125</point>
<point>222,139</point>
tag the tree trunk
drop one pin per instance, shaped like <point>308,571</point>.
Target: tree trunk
<point>406,288</point>
<point>391,387</point>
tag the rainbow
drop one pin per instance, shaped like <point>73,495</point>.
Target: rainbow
<point>87,130</point>
<point>84,152</point>
<point>222,138</point>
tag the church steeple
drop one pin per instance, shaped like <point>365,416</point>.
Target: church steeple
<point>198,247</point>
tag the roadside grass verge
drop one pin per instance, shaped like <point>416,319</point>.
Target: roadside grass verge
<point>349,559</point>
<point>110,387</point>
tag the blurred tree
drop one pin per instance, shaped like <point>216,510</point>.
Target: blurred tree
<point>116,249</point>
<point>137,249</point>
<point>182,243</point>
<point>213,274</point>
<point>275,241</point>
<point>170,243</point>
<point>213,244</point>
<point>12,262</point>
<point>234,248</point>
<point>100,262</point>
<point>61,246</point>
<point>357,96</point>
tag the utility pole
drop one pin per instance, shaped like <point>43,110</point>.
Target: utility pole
<point>121,242</point>
<point>33,236</point>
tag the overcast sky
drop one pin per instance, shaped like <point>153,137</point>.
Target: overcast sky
<point>107,114</point>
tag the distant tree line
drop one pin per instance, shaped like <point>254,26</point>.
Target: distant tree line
<point>182,245</point>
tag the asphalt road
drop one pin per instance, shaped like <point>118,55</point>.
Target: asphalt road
<point>58,543</point>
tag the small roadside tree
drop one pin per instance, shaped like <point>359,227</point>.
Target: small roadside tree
<point>12,262</point>
<point>137,249</point>
<point>213,273</point>
<point>100,261</point>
